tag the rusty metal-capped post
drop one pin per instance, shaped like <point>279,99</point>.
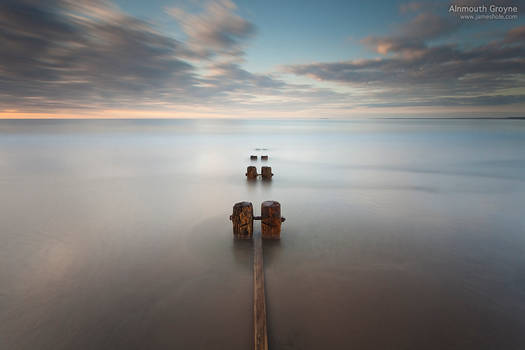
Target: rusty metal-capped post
<point>253,157</point>
<point>271,220</point>
<point>251,172</point>
<point>242,219</point>
<point>264,157</point>
<point>267,172</point>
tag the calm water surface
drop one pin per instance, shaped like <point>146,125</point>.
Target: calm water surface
<point>400,234</point>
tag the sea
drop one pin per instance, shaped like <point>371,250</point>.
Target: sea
<point>399,234</point>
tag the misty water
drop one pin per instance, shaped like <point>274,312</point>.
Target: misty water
<point>399,234</point>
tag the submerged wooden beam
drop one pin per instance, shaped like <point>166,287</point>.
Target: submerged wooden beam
<point>259,300</point>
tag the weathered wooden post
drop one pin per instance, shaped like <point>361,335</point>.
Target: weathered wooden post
<point>251,172</point>
<point>271,220</point>
<point>264,157</point>
<point>267,172</point>
<point>242,219</point>
<point>253,157</point>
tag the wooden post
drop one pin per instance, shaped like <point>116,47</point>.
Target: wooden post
<point>251,172</point>
<point>267,172</point>
<point>264,157</point>
<point>253,157</point>
<point>271,220</point>
<point>259,300</point>
<point>242,219</point>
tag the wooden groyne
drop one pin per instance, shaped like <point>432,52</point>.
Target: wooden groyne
<point>242,219</point>
<point>259,299</point>
<point>266,172</point>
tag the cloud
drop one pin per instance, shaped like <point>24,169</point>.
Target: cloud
<point>230,86</point>
<point>415,73</point>
<point>516,35</point>
<point>413,34</point>
<point>430,75</point>
<point>482,2</point>
<point>216,30</point>
<point>427,26</point>
<point>413,6</point>
<point>78,53</point>
<point>88,54</point>
<point>483,100</point>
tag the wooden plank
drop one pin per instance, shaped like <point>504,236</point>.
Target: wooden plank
<point>259,300</point>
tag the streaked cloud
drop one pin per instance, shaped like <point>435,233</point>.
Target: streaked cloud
<point>413,34</point>
<point>215,30</point>
<point>414,72</point>
<point>85,54</point>
<point>75,53</point>
<point>91,55</point>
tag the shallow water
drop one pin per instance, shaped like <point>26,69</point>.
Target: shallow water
<point>400,234</point>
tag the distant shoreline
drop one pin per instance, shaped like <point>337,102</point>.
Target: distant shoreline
<point>477,118</point>
<point>283,119</point>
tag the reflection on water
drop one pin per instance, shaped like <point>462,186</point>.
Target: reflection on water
<point>401,234</point>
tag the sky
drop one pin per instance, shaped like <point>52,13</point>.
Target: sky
<point>261,59</point>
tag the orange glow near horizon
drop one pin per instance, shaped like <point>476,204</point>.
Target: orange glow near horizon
<point>201,113</point>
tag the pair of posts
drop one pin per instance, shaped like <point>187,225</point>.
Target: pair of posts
<point>242,219</point>
<point>266,172</point>
<point>255,157</point>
